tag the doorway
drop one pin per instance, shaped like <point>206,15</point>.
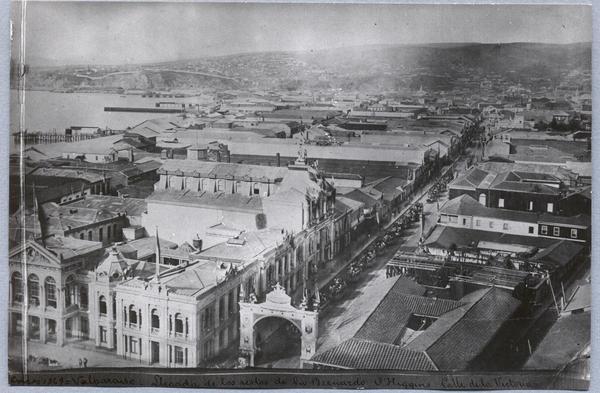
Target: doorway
<point>154,352</point>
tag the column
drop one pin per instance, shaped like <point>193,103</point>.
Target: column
<point>110,303</point>
<point>163,355</point>
<point>43,329</point>
<point>119,325</point>
<point>60,331</point>
<point>217,318</point>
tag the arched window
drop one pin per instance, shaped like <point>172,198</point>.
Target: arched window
<point>178,323</point>
<point>69,291</point>
<point>17,287</point>
<point>155,319</point>
<point>482,199</point>
<point>50,286</point>
<point>33,289</point>
<point>90,235</point>
<point>81,235</point>
<point>133,319</point>
<point>256,189</point>
<point>102,305</point>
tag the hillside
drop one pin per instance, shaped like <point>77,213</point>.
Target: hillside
<point>434,66</point>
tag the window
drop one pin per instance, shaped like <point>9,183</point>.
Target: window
<point>155,319</point>
<point>208,318</point>
<point>453,219</point>
<point>33,289</point>
<point>501,202</point>
<point>108,232</point>
<point>573,233</point>
<point>102,334</point>
<point>102,304</point>
<point>550,207</point>
<point>178,324</point>
<point>69,287</point>
<point>221,185</point>
<point>505,226</point>
<point>83,297</point>
<point>443,218</point>
<point>491,224</point>
<point>178,355</point>
<point>81,235</point>
<point>100,234</point>
<point>477,223</point>
<point>482,199</point>
<point>530,206</point>
<point>222,338</point>
<point>51,330</point>
<point>115,232</point>
<point>556,231</point>
<point>207,349</point>
<point>34,327</point>
<point>90,235</point>
<point>531,229</point>
<point>133,345</point>
<point>256,189</point>
<point>133,320</point>
<point>17,287</point>
<point>238,186</point>
<point>50,286</point>
<point>231,302</point>
<point>222,315</point>
<point>544,229</point>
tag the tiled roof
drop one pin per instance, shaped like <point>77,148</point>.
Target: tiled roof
<point>582,220</point>
<point>467,206</point>
<point>532,188</point>
<point>470,335</point>
<point>130,206</point>
<point>250,246</point>
<point>387,322</point>
<point>368,355</point>
<point>472,179</point>
<point>224,170</point>
<point>566,339</point>
<point>559,254</point>
<point>208,200</point>
<point>445,237</point>
<point>82,174</point>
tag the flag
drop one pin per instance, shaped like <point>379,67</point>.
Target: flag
<point>157,264</point>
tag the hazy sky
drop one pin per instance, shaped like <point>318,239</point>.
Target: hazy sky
<point>117,33</point>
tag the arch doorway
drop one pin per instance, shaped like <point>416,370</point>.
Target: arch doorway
<point>278,343</point>
<point>276,315</point>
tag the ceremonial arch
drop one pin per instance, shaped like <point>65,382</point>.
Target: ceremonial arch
<point>278,304</point>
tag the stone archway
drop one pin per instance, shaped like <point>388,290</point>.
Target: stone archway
<point>278,304</point>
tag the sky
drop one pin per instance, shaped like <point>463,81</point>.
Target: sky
<point>60,33</point>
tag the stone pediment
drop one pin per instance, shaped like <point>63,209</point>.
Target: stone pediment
<point>32,253</point>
